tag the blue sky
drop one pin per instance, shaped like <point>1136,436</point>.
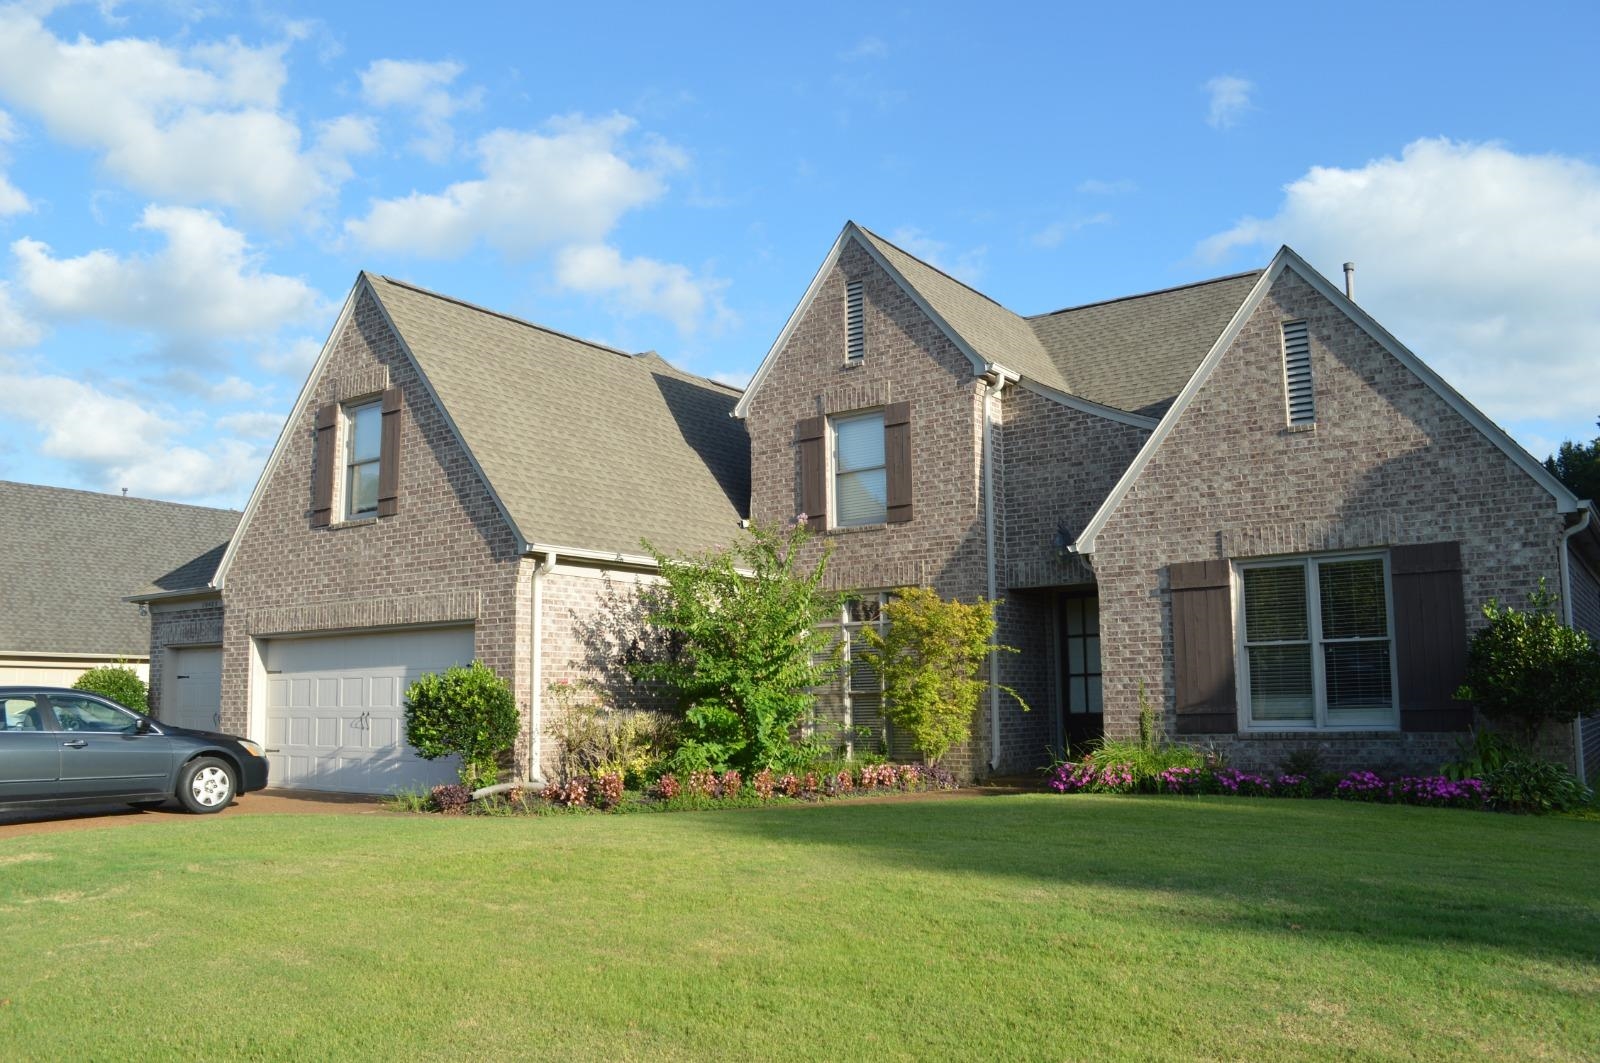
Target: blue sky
<point>188,191</point>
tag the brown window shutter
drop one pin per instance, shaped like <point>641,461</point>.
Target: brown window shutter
<point>322,462</point>
<point>1430,636</point>
<point>1202,647</point>
<point>812,436</point>
<point>389,455</point>
<point>897,460</point>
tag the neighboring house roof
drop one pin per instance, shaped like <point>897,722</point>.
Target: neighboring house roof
<point>584,445</point>
<point>1132,355</point>
<point>71,556</point>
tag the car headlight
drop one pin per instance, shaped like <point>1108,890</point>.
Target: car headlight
<point>250,747</point>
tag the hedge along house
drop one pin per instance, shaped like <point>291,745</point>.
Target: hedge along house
<point>1241,502</point>
<point>452,483</point>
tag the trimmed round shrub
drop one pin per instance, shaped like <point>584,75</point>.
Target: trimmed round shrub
<point>120,684</point>
<point>469,712</point>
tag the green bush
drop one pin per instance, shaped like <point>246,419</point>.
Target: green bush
<point>930,657</point>
<point>118,683</point>
<point>465,711</point>
<point>749,648</point>
<point>1529,669</point>
<point>593,738</point>
<point>1524,784</point>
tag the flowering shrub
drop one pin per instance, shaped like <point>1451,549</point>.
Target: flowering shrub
<point>1087,777</point>
<point>808,786</point>
<point>763,783</point>
<point>911,776</point>
<point>451,798</point>
<point>730,784</point>
<point>790,785</point>
<point>1241,783</point>
<point>608,790</point>
<point>703,783</point>
<point>1362,786</point>
<point>874,776</point>
<point>1292,784</point>
<point>667,787</point>
<point>1440,792</point>
<point>1182,780</point>
<point>574,793</point>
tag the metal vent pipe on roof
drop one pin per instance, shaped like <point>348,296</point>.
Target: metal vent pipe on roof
<point>1350,281</point>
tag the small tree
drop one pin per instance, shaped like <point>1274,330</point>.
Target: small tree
<point>748,648</point>
<point>930,658</point>
<point>1530,669</point>
<point>465,711</point>
<point>119,683</point>
<point>1578,466</point>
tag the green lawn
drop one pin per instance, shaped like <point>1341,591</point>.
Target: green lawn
<point>1019,927</point>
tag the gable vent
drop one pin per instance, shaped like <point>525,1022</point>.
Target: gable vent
<point>1297,372</point>
<point>855,323</point>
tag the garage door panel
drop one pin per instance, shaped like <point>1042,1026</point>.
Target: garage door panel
<point>343,727</point>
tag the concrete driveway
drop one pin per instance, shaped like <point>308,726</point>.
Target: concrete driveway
<point>15,823</point>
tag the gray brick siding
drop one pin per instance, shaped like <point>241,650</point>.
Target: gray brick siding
<point>175,625</point>
<point>1389,462</point>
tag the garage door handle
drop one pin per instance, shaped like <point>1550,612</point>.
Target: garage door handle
<point>272,749</point>
<point>76,743</point>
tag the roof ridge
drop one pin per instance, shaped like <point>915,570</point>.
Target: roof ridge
<point>1146,295</point>
<point>631,355</point>
<point>936,269</point>
<point>116,497</point>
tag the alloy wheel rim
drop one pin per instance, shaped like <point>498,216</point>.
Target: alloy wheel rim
<point>210,786</point>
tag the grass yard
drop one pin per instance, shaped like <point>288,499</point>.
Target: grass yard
<point>1018,927</point>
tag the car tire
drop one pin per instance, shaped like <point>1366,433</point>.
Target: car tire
<point>207,785</point>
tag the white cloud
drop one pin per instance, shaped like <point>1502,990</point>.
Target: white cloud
<point>423,88</point>
<point>291,359</point>
<point>1230,99</point>
<point>739,380</point>
<point>966,266</point>
<point>1481,260</point>
<point>1094,186</point>
<point>16,329</point>
<point>257,425</point>
<point>866,48</point>
<point>12,201</point>
<point>117,442</point>
<point>1055,233</point>
<point>568,184</point>
<point>645,286</point>
<point>206,283</point>
<point>200,124</point>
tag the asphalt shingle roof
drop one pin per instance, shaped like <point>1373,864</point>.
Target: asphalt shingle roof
<point>71,556</point>
<point>1133,354</point>
<point>586,446</point>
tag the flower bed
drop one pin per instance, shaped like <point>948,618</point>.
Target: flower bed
<point>697,791</point>
<point>1436,791</point>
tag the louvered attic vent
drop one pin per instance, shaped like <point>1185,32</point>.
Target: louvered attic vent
<point>855,325</point>
<point>1297,373</point>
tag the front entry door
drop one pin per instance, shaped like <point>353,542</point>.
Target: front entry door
<point>1083,719</point>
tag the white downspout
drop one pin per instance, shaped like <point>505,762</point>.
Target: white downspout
<point>1567,617</point>
<point>994,582</point>
<point>536,716</point>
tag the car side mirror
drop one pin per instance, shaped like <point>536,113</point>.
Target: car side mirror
<point>142,727</point>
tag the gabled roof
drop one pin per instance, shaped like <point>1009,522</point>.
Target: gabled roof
<point>1126,358</point>
<point>1288,259</point>
<point>70,557</point>
<point>584,445</point>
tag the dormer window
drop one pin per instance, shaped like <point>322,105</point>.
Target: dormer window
<point>855,323</point>
<point>1302,404</point>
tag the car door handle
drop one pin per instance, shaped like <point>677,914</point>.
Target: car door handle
<point>76,743</point>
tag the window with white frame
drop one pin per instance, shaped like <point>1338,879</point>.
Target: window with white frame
<point>860,479</point>
<point>1317,643</point>
<point>866,728</point>
<point>363,432</point>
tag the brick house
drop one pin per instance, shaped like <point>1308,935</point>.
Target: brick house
<point>452,483</point>
<point>1241,502</point>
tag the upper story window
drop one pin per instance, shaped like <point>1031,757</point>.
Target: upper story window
<point>1302,404</point>
<point>1318,643</point>
<point>860,479</point>
<point>855,323</point>
<point>363,448</point>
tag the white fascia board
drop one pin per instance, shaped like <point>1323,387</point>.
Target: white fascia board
<point>282,444</point>
<point>615,557</point>
<point>849,232</point>
<point>1073,402</point>
<point>455,430</point>
<point>1287,258</point>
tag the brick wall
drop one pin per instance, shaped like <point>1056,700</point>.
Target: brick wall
<point>1388,463</point>
<point>908,359</point>
<point>177,624</point>
<point>447,540</point>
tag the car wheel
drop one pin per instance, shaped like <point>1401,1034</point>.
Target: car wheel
<point>206,784</point>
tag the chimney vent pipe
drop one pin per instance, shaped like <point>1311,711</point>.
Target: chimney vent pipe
<point>1350,281</point>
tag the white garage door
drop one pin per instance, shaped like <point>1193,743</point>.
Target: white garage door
<point>196,688</point>
<point>335,715</point>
